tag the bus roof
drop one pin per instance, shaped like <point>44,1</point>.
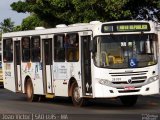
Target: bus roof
<point>70,28</point>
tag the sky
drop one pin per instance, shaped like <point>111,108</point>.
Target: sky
<point>7,12</point>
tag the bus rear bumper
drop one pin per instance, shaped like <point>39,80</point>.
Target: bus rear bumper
<point>102,91</point>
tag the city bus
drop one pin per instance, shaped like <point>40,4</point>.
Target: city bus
<point>84,61</point>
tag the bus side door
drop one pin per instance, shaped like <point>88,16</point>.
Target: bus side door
<point>47,65</point>
<point>86,64</point>
<point>17,63</point>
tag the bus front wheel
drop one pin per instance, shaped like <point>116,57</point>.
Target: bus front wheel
<point>30,92</point>
<point>129,100</point>
<point>76,99</point>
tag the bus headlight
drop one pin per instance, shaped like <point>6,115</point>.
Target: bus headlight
<point>105,82</point>
<point>152,79</point>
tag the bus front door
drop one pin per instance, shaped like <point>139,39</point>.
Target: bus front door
<point>17,68</point>
<point>86,65</point>
<point>47,65</point>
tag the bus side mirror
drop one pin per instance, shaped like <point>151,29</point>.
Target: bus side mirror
<point>92,47</point>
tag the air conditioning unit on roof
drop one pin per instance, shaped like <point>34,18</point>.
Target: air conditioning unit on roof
<point>61,25</point>
<point>39,28</point>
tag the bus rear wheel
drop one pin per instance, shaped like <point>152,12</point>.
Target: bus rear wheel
<point>76,99</point>
<point>30,92</point>
<point>129,100</point>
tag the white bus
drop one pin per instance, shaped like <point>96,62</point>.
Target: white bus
<point>81,61</point>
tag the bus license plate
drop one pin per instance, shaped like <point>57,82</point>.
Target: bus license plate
<point>129,88</point>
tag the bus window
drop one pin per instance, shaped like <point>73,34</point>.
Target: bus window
<point>35,49</point>
<point>8,50</point>
<point>26,49</point>
<point>59,51</point>
<point>72,47</point>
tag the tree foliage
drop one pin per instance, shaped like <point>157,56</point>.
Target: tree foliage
<point>7,25</point>
<point>53,12</point>
<point>31,22</point>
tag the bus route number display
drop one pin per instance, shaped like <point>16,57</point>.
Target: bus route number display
<point>125,27</point>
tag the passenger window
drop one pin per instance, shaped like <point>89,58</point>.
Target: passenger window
<point>72,47</point>
<point>59,50</point>
<point>35,49</point>
<point>8,50</point>
<point>26,49</point>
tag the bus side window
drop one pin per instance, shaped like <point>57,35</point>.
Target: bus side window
<point>8,50</point>
<point>59,50</point>
<point>72,47</point>
<point>35,49</point>
<point>26,49</point>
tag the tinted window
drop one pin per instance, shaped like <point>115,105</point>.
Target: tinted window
<point>25,49</point>
<point>59,50</point>
<point>8,50</point>
<point>72,47</point>
<point>35,49</point>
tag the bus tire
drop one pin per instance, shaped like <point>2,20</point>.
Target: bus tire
<point>129,100</point>
<point>31,97</point>
<point>76,99</point>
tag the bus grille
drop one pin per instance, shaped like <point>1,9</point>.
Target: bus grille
<point>128,73</point>
<point>135,80</point>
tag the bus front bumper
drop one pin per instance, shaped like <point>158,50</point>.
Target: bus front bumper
<point>103,91</point>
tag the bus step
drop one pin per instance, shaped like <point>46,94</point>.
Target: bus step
<point>49,96</point>
<point>87,96</point>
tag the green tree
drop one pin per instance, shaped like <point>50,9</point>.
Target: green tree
<point>7,25</point>
<point>31,22</point>
<point>17,28</point>
<point>54,12</point>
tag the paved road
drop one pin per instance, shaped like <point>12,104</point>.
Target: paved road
<point>15,106</point>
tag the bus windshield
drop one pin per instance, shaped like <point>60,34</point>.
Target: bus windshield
<point>125,51</point>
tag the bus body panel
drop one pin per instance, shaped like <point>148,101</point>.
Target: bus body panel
<point>63,72</point>
<point>118,83</point>
<point>34,72</point>
<point>9,77</point>
<point>60,78</point>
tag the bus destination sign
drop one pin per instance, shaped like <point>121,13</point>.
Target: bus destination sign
<point>125,27</point>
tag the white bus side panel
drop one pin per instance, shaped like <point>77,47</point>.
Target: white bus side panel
<point>9,77</point>
<point>60,79</point>
<point>34,71</point>
<point>74,69</point>
<point>63,72</point>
